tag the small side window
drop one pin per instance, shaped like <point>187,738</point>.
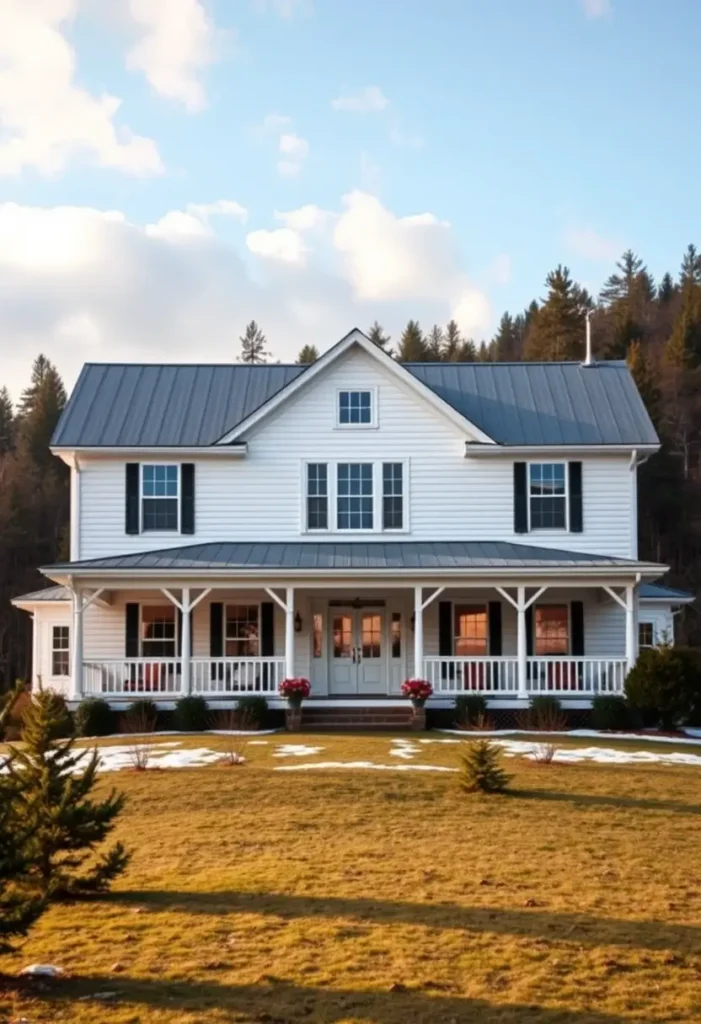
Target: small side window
<point>60,650</point>
<point>646,634</point>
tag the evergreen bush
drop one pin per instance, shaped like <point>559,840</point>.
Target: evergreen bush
<point>470,709</point>
<point>665,686</point>
<point>480,770</point>
<point>62,820</point>
<point>609,712</point>
<point>94,717</point>
<point>191,714</point>
<point>251,712</point>
<point>545,714</point>
<point>140,716</point>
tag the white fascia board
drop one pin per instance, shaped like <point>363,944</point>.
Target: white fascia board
<point>558,576</point>
<point>356,337</point>
<point>476,451</point>
<point>69,455</point>
<point>32,606</point>
<point>667,602</point>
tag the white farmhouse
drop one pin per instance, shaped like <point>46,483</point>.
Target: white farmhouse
<point>356,521</point>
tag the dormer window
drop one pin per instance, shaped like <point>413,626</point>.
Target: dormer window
<point>357,408</point>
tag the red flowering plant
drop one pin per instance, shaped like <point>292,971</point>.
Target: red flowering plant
<point>295,689</point>
<point>418,690</point>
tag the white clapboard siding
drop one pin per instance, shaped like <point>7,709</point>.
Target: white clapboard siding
<point>451,497</point>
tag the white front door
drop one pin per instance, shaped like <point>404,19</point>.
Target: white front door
<point>357,651</point>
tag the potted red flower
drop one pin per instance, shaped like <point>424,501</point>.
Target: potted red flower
<point>418,691</point>
<point>295,690</point>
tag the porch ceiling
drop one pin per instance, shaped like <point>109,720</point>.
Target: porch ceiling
<point>326,557</point>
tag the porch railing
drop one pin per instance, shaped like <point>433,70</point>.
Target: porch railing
<point>222,676</point>
<point>495,675</point>
<point>472,675</point>
<point>122,677</point>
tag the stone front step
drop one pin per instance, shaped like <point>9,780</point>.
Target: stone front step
<point>360,718</point>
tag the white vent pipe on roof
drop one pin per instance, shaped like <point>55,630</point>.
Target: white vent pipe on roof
<point>588,359</point>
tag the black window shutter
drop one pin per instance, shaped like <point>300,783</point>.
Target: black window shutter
<point>575,488</point>
<point>187,497</point>
<point>577,627</point>
<point>131,641</point>
<point>445,629</point>
<point>520,498</point>
<point>529,631</point>
<point>495,628</point>
<point>216,629</point>
<point>267,629</point>
<point>132,498</point>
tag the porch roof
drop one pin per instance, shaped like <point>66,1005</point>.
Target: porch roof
<point>335,556</point>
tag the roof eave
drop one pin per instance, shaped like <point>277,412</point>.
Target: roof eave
<point>68,453</point>
<point>475,450</point>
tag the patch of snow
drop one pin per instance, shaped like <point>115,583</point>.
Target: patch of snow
<point>364,764</point>
<point>404,748</point>
<point>578,734</point>
<point>161,755</point>
<point>297,750</point>
<point>599,755</point>
<point>42,971</point>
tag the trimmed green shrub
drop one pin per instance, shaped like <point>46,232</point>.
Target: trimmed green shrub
<point>94,717</point>
<point>545,714</point>
<point>251,712</point>
<point>191,714</point>
<point>665,686</point>
<point>481,770</point>
<point>470,709</point>
<point>140,716</point>
<point>609,712</point>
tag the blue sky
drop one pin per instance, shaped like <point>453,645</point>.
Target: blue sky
<point>319,163</point>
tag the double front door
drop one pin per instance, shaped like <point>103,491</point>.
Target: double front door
<point>357,641</point>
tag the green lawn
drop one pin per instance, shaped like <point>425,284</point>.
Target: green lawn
<point>334,896</point>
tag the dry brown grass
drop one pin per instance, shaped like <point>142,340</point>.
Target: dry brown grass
<point>339,897</point>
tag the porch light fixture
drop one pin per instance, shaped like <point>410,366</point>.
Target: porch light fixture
<point>298,623</point>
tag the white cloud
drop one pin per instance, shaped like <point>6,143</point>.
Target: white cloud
<point>46,118</point>
<point>597,8</point>
<point>220,208</point>
<point>176,44</point>
<point>500,270</point>
<point>284,8</point>
<point>272,124</point>
<point>400,138</point>
<point>590,245</point>
<point>306,218</point>
<point>293,152</point>
<point>282,244</point>
<point>370,100</point>
<point>79,283</point>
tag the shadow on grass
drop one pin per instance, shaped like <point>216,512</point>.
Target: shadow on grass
<point>282,1002</point>
<point>531,923</point>
<point>599,800</point>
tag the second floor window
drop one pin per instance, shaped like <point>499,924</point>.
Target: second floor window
<point>354,496</point>
<point>547,496</point>
<point>355,409</point>
<point>160,496</point>
<point>317,496</point>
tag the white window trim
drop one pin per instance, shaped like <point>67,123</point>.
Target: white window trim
<point>155,603</point>
<point>652,624</point>
<point>332,497</point>
<point>555,604</point>
<point>549,462</point>
<point>52,649</point>
<point>243,604</point>
<point>156,533</point>
<point>374,417</point>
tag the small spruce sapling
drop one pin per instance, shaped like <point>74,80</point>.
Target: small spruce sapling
<point>480,770</point>
<point>64,823</point>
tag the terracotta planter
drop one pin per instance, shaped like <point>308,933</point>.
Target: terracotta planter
<point>293,717</point>
<point>418,717</point>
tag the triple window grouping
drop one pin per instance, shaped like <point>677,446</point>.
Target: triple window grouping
<point>355,487</point>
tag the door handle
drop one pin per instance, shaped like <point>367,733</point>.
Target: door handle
<point>360,656</point>
<point>353,654</point>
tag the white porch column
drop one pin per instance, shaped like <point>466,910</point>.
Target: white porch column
<point>290,633</point>
<point>418,633</point>
<point>77,651</point>
<point>522,645</point>
<point>185,641</point>
<point>631,639</point>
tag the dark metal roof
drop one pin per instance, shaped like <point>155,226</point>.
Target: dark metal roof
<point>47,594</point>
<point>544,403</point>
<point>330,555</point>
<point>656,592</point>
<point>120,405</point>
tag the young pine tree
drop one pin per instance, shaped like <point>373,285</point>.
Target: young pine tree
<point>63,821</point>
<point>253,345</point>
<point>308,354</point>
<point>435,344</point>
<point>556,329</point>
<point>378,337</point>
<point>412,347</point>
<point>7,421</point>
<point>453,342</point>
<point>480,770</point>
